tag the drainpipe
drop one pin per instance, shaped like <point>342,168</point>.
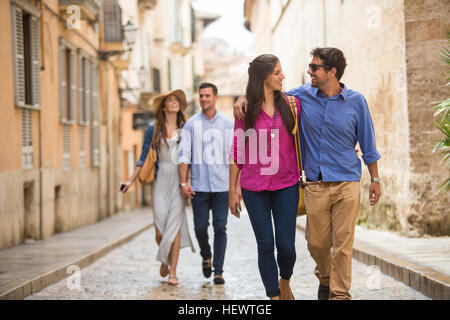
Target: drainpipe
<point>42,37</point>
<point>101,102</point>
<point>41,193</point>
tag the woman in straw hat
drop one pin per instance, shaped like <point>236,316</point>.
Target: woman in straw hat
<point>171,225</point>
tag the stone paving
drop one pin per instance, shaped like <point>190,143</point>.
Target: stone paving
<point>132,272</point>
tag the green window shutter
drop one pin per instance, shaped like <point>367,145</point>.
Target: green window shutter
<point>193,39</point>
<point>169,72</point>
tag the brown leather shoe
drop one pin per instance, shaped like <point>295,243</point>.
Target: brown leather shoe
<point>206,267</point>
<point>218,279</point>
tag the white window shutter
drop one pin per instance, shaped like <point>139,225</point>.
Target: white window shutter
<point>87,91</point>
<point>81,96</point>
<point>82,148</point>
<point>36,63</point>
<point>66,147</point>
<point>19,63</point>
<point>73,85</point>
<point>62,83</point>
<point>27,138</point>
<point>95,120</point>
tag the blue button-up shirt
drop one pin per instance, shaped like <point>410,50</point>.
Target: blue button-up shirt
<point>205,145</point>
<point>331,128</point>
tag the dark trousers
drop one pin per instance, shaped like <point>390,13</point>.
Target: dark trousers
<point>282,205</point>
<point>218,203</point>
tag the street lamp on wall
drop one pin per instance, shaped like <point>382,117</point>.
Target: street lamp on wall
<point>129,33</point>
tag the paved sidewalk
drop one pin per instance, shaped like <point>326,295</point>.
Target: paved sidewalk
<point>421,263</point>
<point>131,272</point>
<point>28,268</point>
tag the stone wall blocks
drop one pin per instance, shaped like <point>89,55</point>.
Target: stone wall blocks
<point>414,9</point>
<point>423,30</point>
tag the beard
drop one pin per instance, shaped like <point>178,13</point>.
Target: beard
<point>319,84</point>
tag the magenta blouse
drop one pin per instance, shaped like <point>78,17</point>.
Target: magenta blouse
<point>267,159</point>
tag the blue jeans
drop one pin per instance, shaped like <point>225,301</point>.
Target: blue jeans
<point>282,205</point>
<point>218,203</point>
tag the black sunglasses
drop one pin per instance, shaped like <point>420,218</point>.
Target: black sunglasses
<point>314,67</point>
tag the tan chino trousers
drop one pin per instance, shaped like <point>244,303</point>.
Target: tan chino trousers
<point>332,209</point>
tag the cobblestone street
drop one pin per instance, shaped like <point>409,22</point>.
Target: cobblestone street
<point>132,272</point>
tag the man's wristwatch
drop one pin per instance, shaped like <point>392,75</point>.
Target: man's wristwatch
<point>183,184</point>
<point>376,180</point>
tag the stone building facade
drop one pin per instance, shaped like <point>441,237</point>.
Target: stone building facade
<point>71,82</point>
<point>391,49</point>
<point>167,55</point>
<point>52,160</point>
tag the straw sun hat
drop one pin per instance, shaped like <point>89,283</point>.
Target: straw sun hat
<point>157,102</point>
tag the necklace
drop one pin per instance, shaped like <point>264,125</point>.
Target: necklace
<point>274,122</point>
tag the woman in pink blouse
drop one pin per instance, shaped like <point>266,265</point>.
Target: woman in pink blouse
<point>263,153</point>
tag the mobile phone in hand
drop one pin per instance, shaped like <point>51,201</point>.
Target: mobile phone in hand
<point>122,186</point>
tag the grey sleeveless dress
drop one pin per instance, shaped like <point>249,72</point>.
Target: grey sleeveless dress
<point>168,203</point>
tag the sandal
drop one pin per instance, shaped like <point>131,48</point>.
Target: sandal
<point>164,270</point>
<point>173,280</point>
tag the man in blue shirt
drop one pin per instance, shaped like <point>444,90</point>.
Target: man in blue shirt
<point>333,120</point>
<point>204,146</point>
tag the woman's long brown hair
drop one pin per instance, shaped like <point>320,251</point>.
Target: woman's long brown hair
<point>161,132</point>
<point>258,71</point>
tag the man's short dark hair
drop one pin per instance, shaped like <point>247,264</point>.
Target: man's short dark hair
<point>332,57</point>
<point>209,85</point>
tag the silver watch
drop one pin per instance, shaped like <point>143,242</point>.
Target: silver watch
<point>376,180</point>
<point>183,184</point>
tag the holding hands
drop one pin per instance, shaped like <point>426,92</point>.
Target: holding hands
<point>186,190</point>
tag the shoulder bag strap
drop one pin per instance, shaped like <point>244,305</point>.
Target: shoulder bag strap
<point>296,132</point>
<point>153,142</point>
